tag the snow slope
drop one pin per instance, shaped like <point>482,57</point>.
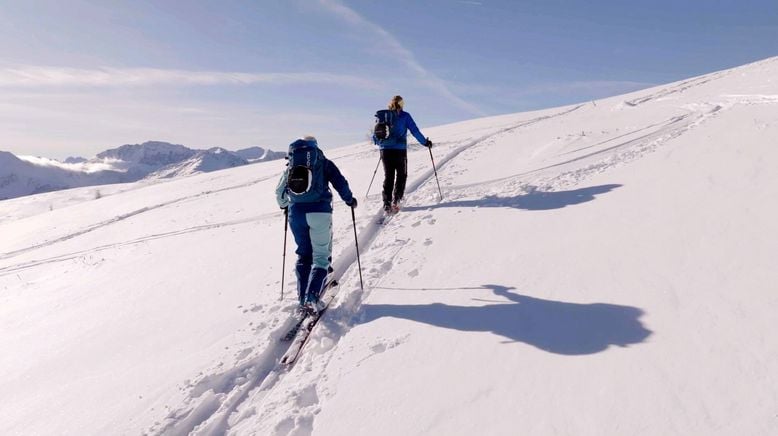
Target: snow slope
<point>204,161</point>
<point>603,268</point>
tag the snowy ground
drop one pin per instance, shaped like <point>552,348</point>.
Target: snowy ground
<point>603,268</point>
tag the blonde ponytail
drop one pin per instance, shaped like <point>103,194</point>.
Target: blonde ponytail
<point>396,103</point>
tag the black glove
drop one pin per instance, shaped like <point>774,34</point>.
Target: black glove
<point>353,203</point>
<point>428,144</point>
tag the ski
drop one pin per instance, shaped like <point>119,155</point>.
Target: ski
<point>303,315</point>
<point>306,325</point>
<point>386,216</point>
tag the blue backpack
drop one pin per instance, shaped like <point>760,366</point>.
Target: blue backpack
<point>305,181</point>
<point>384,120</point>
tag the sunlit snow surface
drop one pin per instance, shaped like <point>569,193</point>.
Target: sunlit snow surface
<point>597,269</point>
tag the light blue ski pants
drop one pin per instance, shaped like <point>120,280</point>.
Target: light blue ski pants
<point>313,234</point>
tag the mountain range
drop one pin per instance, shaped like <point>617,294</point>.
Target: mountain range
<point>27,175</point>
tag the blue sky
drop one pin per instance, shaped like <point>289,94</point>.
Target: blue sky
<point>79,76</point>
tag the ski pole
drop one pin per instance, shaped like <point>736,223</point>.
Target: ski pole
<point>356,242</point>
<point>283,263</point>
<point>371,180</point>
<point>436,173</point>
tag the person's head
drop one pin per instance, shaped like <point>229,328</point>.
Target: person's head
<point>305,141</point>
<point>396,103</point>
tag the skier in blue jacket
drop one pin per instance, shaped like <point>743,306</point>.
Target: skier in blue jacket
<point>394,150</point>
<point>303,191</point>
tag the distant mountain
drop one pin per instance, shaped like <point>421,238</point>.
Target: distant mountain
<point>20,176</point>
<point>251,153</point>
<point>203,161</point>
<point>259,154</point>
<point>147,157</point>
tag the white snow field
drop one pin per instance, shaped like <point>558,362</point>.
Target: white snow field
<point>607,268</point>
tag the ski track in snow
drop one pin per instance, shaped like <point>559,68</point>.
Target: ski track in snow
<point>209,406</point>
<point>220,400</point>
<point>126,216</point>
<point>618,154</point>
<point>678,88</point>
<point>341,317</point>
<point>213,406</point>
<point>90,251</point>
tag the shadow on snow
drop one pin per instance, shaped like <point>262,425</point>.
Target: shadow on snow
<point>553,326</point>
<point>534,200</point>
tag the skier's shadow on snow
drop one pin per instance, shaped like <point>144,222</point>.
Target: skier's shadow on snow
<point>553,326</point>
<point>533,200</point>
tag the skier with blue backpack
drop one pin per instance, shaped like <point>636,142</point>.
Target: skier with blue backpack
<point>390,132</point>
<point>303,192</point>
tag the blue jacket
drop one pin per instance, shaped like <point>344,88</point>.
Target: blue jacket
<point>397,139</point>
<point>332,176</point>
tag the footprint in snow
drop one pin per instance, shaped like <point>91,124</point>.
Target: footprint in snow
<point>385,345</point>
<point>386,266</point>
<point>378,348</point>
<point>307,397</point>
<point>243,354</point>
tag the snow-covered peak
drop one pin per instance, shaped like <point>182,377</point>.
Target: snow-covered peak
<point>259,154</point>
<point>213,159</point>
<point>25,175</point>
<point>251,153</point>
<point>151,153</point>
<point>128,163</point>
<point>7,159</point>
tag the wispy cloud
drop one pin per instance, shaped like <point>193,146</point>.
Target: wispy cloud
<point>42,76</point>
<point>83,122</point>
<point>392,45</point>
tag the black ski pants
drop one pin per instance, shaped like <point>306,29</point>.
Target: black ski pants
<point>395,174</point>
